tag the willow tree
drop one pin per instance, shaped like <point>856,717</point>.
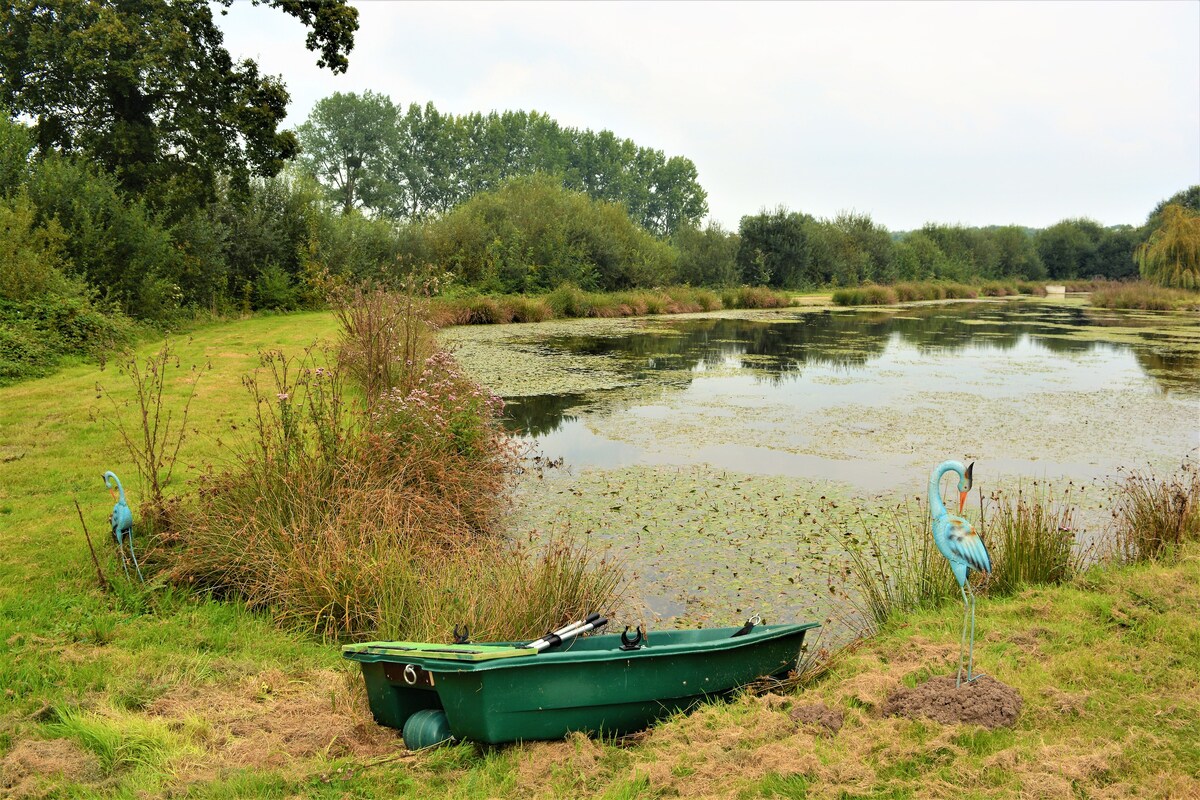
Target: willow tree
<point>1171,255</point>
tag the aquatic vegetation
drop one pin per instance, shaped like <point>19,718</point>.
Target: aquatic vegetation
<point>1156,516</point>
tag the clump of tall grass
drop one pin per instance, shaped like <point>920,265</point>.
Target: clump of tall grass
<point>371,497</point>
<point>755,297</point>
<point>934,290</point>
<point>999,289</point>
<point>867,295</point>
<point>569,301</point>
<point>1144,295</point>
<point>890,565</point>
<point>1030,536</point>
<point>1154,517</point>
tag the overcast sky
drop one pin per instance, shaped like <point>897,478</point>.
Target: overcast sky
<point>968,112</point>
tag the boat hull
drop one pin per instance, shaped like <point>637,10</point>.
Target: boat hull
<point>591,686</point>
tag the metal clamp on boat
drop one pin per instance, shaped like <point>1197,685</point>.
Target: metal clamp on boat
<point>636,642</point>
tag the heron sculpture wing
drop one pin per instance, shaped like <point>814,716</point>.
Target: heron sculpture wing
<point>966,546</point>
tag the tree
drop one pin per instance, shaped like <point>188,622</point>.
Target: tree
<point>1171,256</point>
<point>348,144</point>
<point>1016,255</point>
<point>775,250</point>
<point>706,257</point>
<point>1069,248</point>
<point>146,88</point>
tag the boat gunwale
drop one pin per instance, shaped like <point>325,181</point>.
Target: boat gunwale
<point>762,634</point>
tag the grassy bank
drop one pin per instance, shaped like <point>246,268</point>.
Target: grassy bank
<point>157,692</point>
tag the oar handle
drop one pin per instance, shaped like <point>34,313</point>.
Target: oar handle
<point>557,639</point>
<point>554,637</point>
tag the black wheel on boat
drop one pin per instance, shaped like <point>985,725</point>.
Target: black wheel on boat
<point>426,728</point>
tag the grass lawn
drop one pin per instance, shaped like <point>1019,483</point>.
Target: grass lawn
<point>148,693</point>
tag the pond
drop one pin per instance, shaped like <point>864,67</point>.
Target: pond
<point>692,445</point>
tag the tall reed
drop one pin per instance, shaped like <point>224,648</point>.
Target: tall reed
<point>1030,536</point>
<point>1154,516</point>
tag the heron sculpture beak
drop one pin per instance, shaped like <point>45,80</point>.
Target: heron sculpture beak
<point>962,501</point>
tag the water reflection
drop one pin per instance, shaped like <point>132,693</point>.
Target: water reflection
<point>965,340</point>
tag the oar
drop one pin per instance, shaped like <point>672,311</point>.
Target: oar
<point>554,637</point>
<point>561,635</point>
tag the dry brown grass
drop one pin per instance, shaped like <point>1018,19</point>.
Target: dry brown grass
<point>38,767</point>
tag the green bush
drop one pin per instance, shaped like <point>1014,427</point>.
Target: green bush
<point>36,334</point>
<point>532,235</point>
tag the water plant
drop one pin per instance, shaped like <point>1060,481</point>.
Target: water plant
<point>1156,517</point>
<point>892,567</point>
<point>1031,536</point>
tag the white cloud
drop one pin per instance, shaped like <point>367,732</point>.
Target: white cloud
<point>972,112</point>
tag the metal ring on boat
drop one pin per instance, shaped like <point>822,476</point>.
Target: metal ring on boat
<point>410,675</point>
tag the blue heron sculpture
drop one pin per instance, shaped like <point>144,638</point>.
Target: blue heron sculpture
<point>962,547</point>
<point>122,523</point>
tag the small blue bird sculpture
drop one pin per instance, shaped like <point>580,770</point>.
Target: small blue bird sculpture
<point>961,546</point>
<point>122,523</point>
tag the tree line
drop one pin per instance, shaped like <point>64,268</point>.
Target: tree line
<point>416,163</point>
<point>144,175</point>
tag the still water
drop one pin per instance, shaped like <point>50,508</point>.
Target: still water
<point>858,396</point>
<point>724,458</point>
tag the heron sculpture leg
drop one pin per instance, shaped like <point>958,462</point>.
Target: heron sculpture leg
<point>971,675</point>
<point>962,642</point>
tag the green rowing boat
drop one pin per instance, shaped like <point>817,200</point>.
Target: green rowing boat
<point>506,692</point>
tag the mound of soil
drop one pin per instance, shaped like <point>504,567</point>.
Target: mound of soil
<point>984,701</point>
<point>820,716</point>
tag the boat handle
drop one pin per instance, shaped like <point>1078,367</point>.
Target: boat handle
<point>410,675</point>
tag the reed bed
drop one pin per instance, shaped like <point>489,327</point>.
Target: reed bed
<point>868,295</point>
<point>1145,296</point>
<point>1155,517</point>
<point>891,565</point>
<point>908,292</point>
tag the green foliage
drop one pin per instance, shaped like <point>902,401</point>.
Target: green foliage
<point>16,143</point>
<point>350,143</point>
<point>30,255</point>
<point>1171,255</point>
<point>416,163</point>
<point>707,257</point>
<point>533,235</point>
<point>149,92</point>
<point>774,250</point>
<point>113,244</point>
<point>36,335</point>
<point>44,315</point>
<point>1082,248</point>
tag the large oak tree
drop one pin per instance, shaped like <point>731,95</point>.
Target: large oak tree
<point>147,89</point>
